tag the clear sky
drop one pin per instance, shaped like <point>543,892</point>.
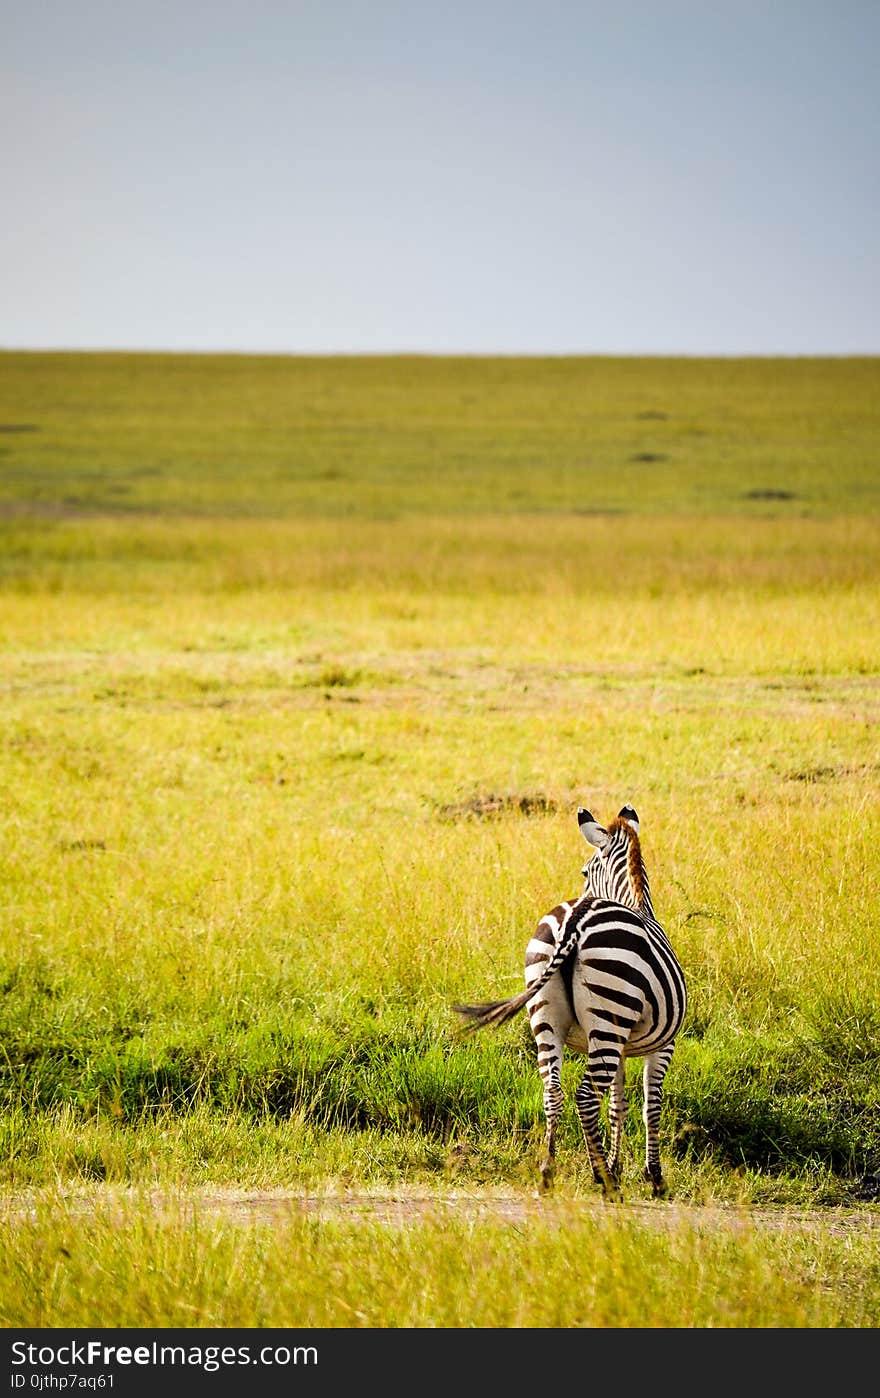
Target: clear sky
<point>625,177</point>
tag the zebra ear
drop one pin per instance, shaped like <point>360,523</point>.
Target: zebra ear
<point>628,814</point>
<point>592,831</point>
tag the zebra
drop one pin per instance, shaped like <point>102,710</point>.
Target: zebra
<point>601,978</point>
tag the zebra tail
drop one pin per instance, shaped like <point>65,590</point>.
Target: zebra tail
<point>498,1012</point>
<point>495,1013</point>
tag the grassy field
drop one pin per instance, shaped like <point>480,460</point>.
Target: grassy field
<point>386,438</point>
<point>305,666</point>
<point>176,1266</point>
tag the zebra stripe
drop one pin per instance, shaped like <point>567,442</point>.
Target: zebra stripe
<point>603,980</point>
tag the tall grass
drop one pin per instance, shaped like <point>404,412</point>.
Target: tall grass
<point>287,771</point>
<point>173,1266</point>
<point>246,874</point>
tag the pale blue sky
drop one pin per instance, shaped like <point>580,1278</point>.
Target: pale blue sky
<point>643,176</point>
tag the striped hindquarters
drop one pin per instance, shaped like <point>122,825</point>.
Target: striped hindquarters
<point>627,979</point>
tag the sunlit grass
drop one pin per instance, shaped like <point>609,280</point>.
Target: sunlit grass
<point>244,874</point>
<point>293,747</point>
<point>177,1265</point>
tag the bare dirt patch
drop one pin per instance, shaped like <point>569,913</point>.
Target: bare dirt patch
<point>491,807</point>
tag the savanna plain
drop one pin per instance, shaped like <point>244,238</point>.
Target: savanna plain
<point>305,668</point>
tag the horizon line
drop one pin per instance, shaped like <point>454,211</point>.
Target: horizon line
<point>437,354</point>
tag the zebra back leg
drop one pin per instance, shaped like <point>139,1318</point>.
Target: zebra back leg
<point>594,1084</point>
<point>617,1117</point>
<point>653,1073</point>
<point>549,1039</point>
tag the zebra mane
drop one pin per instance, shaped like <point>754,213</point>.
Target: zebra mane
<point>638,875</point>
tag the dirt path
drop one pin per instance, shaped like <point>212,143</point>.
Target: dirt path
<point>400,1209</point>
<point>411,1207</point>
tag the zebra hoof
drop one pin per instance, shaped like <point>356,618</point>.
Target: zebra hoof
<point>659,1188</point>
<point>547,1173</point>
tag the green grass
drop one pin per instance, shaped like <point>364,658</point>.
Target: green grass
<point>387,437</point>
<point>174,1266</point>
<point>305,666</point>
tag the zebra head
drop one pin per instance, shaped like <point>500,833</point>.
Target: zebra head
<point>616,870</point>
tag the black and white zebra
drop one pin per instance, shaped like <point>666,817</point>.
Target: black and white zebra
<point>601,978</point>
